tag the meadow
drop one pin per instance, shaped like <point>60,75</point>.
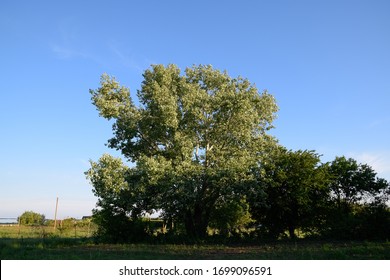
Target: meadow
<point>77,243</point>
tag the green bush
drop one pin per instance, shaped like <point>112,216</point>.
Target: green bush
<point>31,218</point>
<point>118,228</point>
<point>363,222</point>
<point>68,223</point>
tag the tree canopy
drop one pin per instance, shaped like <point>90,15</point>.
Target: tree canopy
<point>353,182</point>
<point>295,183</point>
<point>31,218</point>
<point>194,137</point>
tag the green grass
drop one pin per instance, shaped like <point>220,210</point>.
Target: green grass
<point>46,244</point>
<point>15,231</point>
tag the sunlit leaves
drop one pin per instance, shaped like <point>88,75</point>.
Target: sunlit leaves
<point>194,137</point>
<point>111,99</point>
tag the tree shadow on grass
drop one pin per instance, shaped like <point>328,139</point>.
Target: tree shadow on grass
<point>86,249</point>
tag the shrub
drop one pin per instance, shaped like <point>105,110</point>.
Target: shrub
<point>118,228</point>
<point>31,218</point>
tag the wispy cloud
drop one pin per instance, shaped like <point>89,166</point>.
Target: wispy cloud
<point>63,52</point>
<point>125,59</point>
<point>70,43</point>
<point>380,122</point>
<point>379,161</point>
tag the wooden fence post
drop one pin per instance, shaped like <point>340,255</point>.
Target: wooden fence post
<point>55,214</point>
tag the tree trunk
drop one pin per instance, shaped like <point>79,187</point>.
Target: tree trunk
<point>201,219</point>
<point>196,222</point>
<point>188,223</point>
<point>291,231</point>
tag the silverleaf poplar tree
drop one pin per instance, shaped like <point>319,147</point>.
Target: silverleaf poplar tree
<point>194,139</point>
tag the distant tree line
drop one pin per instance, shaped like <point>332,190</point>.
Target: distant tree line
<point>204,161</point>
<point>31,218</point>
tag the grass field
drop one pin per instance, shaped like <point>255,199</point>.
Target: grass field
<point>44,243</point>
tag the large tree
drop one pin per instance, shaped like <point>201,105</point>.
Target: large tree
<point>353,182</point>
<point>295,184</point>
<point>358,202</point>
<point>194,138</point>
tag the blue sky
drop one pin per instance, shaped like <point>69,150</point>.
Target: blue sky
<point>326,62</point>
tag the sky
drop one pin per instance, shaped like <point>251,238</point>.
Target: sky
<point>326,62</point>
